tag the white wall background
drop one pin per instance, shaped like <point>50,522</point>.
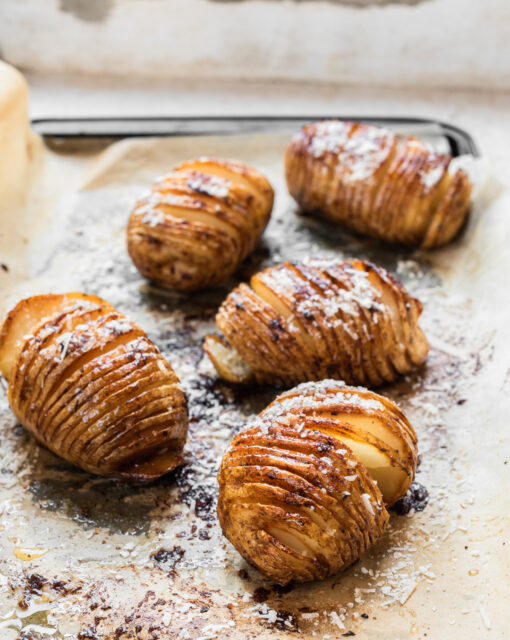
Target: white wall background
<point>418,43</point>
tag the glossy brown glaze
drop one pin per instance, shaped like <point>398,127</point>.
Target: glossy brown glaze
<point>377,183</point>
<point>90,385</point>
<point>199,223</point>
<point>303,488</point>
<point>348,320</point>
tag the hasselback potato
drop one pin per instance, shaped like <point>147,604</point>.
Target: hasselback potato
<point>377,183</point>
<point>348,320</point>
<point>199,223</point>
<point>303,488</point>
<point>91,386</point>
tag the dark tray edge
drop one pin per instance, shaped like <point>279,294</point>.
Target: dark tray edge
<point>62,129</point>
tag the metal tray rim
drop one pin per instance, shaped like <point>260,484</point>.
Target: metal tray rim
<point>461,142</point>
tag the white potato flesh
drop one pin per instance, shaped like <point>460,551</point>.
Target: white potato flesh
<point>227,360</point>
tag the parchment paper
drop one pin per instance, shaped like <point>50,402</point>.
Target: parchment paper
<point>118,560</point>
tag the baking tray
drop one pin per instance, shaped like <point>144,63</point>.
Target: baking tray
<point>120,560</point>
<point>58,133</point>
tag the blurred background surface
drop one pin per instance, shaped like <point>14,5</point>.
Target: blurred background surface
<point>389,43</point>
<point>444,59</point>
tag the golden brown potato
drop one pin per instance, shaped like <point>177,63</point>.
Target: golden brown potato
<point>199,223</point>
<point>377,183</point>
<point>91,386</point>
<point>319,319</point>
<point>303,488</point>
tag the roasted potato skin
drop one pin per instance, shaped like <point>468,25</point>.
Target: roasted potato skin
<point>90,385</point>
<point>377,183</point>
<point>348,320</point>
<point>294,500</point>
<point>199,223</point>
